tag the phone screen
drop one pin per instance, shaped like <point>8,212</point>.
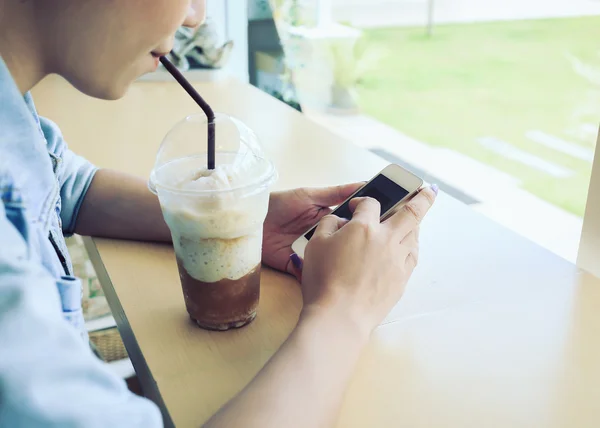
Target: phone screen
<point>381,188</point>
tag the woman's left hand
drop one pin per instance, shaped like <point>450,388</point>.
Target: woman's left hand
<point>292,213</point>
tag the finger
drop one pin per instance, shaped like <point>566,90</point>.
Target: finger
<point>410,215</point>
<point>294,266</point>
<point>298,275</point>
<point>331,196</point>
<point>412,259</point>
<point>411,246</point>
<point>322,213</point>
<point>412,239</point>
<point>365,210</point>
<point>329,225</point>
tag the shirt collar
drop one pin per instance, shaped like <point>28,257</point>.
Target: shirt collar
<point>23,152</point>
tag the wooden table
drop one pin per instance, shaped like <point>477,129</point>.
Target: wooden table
<point>494,331</point>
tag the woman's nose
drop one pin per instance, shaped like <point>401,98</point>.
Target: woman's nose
<point>196,14</point>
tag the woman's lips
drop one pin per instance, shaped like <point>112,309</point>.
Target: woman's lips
<point>159,54</point>
<point>156,57</point>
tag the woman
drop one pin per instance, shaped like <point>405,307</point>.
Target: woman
<point>48,376</point>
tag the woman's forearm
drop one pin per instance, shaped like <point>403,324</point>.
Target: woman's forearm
<point>303,384</point>
<point>119,205</point>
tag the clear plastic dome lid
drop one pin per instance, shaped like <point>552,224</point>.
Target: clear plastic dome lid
<point>236,146</point>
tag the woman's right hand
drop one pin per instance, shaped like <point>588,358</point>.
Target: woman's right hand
<point>357,273</point>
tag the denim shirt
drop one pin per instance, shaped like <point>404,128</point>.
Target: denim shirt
<point>48,375</point>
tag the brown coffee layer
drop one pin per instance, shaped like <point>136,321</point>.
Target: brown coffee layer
<point>223,304</point>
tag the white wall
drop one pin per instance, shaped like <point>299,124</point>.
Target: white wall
<point>231,18</point>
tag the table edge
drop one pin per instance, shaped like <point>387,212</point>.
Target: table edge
<point>142,370</point>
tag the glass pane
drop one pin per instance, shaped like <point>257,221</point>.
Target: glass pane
<point>497,102</point>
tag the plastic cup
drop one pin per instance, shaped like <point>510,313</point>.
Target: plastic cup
<point>215,217</point>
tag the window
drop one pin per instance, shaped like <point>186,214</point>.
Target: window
<point>497,103</point>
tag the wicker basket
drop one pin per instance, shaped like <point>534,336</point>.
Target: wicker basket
<point>109,345</point>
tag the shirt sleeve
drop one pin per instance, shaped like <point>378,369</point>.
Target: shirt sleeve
<point>48,376</point>
<point>74,175</point>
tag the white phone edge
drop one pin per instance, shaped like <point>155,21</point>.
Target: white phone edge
<point>398,175</point>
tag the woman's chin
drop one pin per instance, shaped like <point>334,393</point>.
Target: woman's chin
<point>111,84</point>
<point>112,92</point>
<point>112,88</point>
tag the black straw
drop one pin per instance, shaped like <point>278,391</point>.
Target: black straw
<point>210,115</point>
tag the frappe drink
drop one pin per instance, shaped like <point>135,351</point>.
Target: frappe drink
<point>216,221</point>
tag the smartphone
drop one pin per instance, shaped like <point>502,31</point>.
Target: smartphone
<point>392,187</point>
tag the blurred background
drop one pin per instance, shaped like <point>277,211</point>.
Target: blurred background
<point>497,101</point>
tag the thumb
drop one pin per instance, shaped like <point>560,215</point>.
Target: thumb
<point>330,196</point>
<point>329,224</point>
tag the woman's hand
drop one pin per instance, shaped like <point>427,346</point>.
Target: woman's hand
<point>292,213</point>
<point>359,271</point>
<point>352,277</point>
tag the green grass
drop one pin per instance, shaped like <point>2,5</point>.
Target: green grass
<point>491,79</point>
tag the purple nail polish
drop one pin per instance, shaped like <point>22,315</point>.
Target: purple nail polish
<point>296,261</point>
<point>435,188</point>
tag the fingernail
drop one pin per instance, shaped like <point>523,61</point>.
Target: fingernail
<point>435,188</point>
<point>296,261</point>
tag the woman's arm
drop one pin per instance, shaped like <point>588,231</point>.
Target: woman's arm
<point>48,375</point>
<point>352,276</point>
<point>119,205</point>
<point>303,384</point>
